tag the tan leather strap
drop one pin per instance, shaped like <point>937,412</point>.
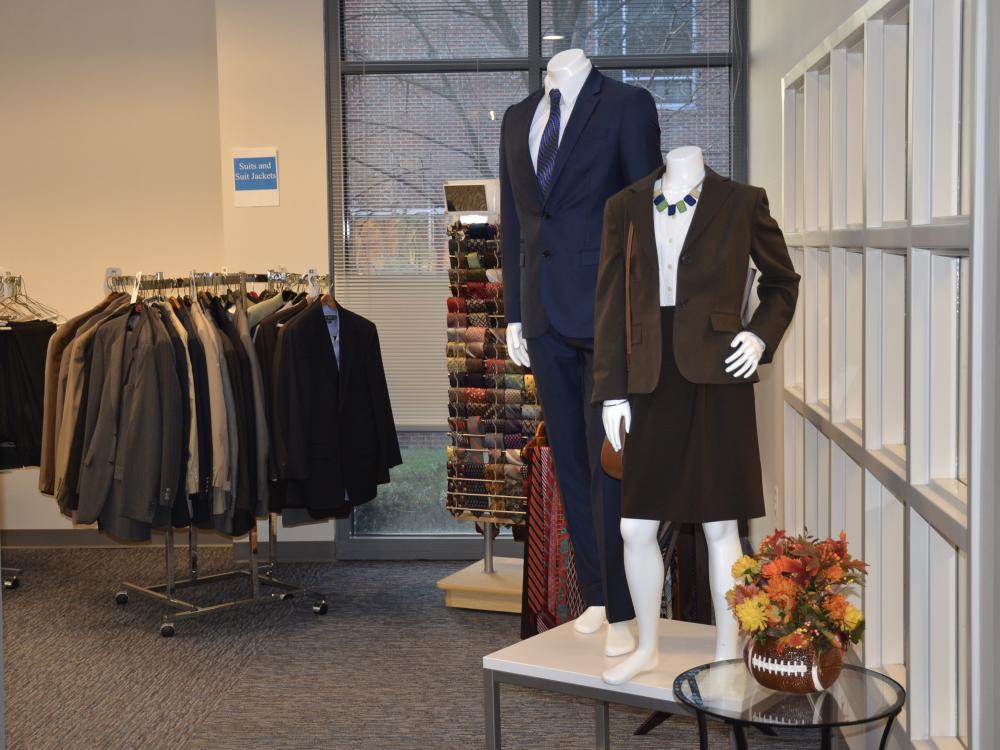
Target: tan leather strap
<point>628,295</point>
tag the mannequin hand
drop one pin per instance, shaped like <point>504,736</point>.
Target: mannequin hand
<point>749,349</point>
<point>517,347</point>
<point>612,415</point>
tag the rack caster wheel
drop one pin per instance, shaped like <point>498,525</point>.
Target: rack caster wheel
<point>121,597</point>
<point>167,630</point>
<point>285,596</point>
<point>321,608</point>
<point>11,583</point>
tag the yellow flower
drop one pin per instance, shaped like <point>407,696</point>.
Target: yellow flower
<point>752,613</point>
<point>852,618</point>
<point>745,568</point>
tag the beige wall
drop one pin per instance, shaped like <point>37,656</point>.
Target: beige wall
<point>118,118</point>
<point>110,133</point>
<point>782,32</point>
<point>272,92</point>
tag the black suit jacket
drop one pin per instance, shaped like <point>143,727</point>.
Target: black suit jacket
<point>552,243</point>
<point>338,434</point>
<point>731,225</point>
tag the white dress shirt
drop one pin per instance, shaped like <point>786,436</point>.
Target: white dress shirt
<point>671,232</point>
<point>568,95</point>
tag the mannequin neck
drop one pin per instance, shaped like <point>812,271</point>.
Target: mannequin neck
<point>685,170</point>
<point>568,71</point>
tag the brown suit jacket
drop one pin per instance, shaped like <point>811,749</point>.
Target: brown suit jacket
<point>731,225</point>
<point>58,344</point>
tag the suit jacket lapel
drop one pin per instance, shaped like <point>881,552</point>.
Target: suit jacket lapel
<point>586,102</point>
<point>640,210</point>
<point>522,155</point>
<point>714,192</point>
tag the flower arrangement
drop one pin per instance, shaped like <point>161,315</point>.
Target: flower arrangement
<point>792,591</point>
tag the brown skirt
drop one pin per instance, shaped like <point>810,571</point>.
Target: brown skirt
<point>691,455</point>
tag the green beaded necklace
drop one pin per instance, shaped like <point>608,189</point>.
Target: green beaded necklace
<point>681,206</point>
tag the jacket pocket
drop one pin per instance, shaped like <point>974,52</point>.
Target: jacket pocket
<point>726,322</point>
<point>522,258</point>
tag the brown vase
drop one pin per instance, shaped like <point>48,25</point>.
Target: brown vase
<point>794,670</point>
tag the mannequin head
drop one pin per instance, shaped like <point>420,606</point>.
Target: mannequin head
<point>685,169</point>
<point>567,65</point>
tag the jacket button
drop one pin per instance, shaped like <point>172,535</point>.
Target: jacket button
<point>684,302</point>
<point>685,259</point>
<point>546,216</point>
<point>546,253</point>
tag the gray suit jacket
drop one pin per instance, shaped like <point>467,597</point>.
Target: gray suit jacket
<point>133,428</point>
<point>71,404</point>
<point>242,323</point>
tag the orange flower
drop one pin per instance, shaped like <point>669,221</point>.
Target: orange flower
<point>836,607</point>
<point>834,574</point>
<point>781,586</point>
<point>782,566</point>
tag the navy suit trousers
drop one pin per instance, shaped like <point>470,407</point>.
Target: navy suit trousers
<point>563,370</point>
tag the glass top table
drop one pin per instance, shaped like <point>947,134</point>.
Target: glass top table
<point>727,691</point>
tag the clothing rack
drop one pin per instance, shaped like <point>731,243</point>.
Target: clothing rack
<point>13,289</point>
<point>258,574</point>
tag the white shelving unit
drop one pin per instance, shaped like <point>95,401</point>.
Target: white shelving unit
<point>876,208</point>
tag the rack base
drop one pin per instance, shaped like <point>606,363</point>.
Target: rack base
<point>257,574</point>
<point>474,588</point>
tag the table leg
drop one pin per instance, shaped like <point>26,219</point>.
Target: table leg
<point>826,738</point>
<point>702,732</point>
<point>491,707</point>
<point>887,732</point>
<point>739,738</point>
<point>603,726</point>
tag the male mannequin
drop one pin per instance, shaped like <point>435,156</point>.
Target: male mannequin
<point>681,183</point>
<point>564,150</point>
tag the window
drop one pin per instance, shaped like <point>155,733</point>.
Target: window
<point>417,95</point>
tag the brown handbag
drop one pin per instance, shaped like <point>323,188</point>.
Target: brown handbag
<point>611,460</point>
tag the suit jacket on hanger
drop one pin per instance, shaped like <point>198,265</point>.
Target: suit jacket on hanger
<point>731,225</point>
<point>242,326</point>
<point>58,344</point>
<point>339,437</point>
<point>72,402</point>
<point>132,431</point>
<point>223,420</point>
<point>266,342</point>
<point>202,506</point>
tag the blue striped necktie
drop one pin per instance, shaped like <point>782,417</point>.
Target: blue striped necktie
<point>550,143</point>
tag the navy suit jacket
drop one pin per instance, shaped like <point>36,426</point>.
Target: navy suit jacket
<point>552,243</point>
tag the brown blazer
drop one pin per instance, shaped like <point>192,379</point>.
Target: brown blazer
<point>58,344</point>
<point>731,225</point>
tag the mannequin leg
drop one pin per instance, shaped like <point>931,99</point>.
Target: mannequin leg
<point>644,569</point>
<point>590,621</point>
<point>723,550</point>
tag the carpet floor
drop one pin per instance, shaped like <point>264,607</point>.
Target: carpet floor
<point>388,668</point>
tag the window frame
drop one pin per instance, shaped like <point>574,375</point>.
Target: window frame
<point>450,547</point>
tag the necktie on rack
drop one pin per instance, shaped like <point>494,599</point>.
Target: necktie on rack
<point>550,143</point>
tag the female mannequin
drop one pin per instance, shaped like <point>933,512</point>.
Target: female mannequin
<point>689,431</point>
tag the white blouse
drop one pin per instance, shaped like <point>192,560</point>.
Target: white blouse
<point>670,234</point>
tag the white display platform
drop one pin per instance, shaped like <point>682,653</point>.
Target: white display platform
<point>564,661</point>
<point>473,588</point>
